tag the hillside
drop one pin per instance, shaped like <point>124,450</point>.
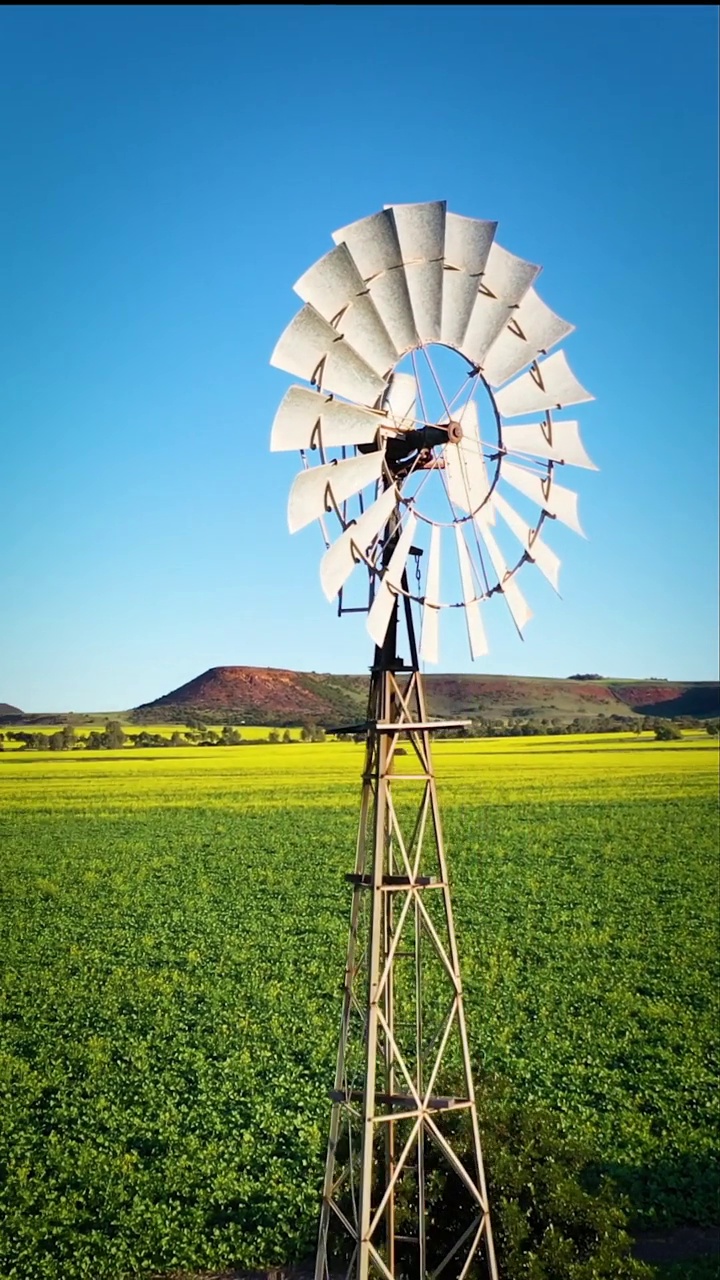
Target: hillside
<point>267,695</point>
<point>6,709</point>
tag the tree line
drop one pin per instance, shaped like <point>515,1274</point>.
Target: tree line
<point>113,736</point>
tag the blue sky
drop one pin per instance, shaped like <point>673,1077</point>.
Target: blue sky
<point>168,173</point>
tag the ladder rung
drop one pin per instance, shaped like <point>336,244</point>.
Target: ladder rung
<point>404,1100</point>
<point>416,726</point>
<point>391,882</point>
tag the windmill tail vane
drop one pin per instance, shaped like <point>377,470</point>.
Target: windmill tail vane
<point>427,431</point>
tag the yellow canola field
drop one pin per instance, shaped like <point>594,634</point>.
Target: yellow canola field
<point>497,770</point>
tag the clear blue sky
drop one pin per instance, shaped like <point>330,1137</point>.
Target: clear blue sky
<point>168,173</point>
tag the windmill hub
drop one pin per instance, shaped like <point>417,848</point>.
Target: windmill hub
<point>454,433</point>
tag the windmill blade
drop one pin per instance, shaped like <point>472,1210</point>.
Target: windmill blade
<point>476,631</point>
<point>311,349</point>
<point>465,470</point>
<point>508,277</point>
<point>505,281</point>
<point>559,441</point>
<point>400,399</point>
<point>375,249</point>
<point>539,552</point>
<point>306,419</point>
<point>517,604</point>
<point>373,243</point>
<point>335,288</point>
<point>382,606</point>
<point>551,497</point>
<point>487,318</point>
<point>458,299</point>
<point>341,558</point>
<point>549,385</point>
<point>390,297</point>
<point>430,635</point>
<point>467,245</point>
<point>533,330</point>
<point>313,492</point>
<point>421,234</point>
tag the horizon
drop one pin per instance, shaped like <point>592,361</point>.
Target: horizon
<point>427,675</point>
<point>160,206</point>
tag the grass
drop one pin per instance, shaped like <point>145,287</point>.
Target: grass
<point>175,926</point>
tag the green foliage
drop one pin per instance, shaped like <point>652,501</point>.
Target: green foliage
<point>548,1223</point>
<point>668,732</point>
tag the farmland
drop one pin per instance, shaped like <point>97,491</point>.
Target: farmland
<point>175,927</point>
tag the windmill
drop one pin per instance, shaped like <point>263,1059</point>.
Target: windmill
<point>417,473</point>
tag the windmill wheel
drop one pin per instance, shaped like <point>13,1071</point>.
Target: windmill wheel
<point>420,337</point>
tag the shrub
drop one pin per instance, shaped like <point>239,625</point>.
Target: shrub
<point>667,733</point>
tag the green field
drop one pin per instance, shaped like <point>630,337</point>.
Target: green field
<point>174,927</point>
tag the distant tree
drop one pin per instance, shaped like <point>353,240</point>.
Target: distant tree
<point>95,740</point>
<point>319,734</point>
<point>177,739</point>
<point>231,737</point>
<point>668,732</point>
<point>713,728</point>
<point>113,735</point>
<point>306,733</point>
<point>273,736</point>
<point>287,736</point>
<point>2,737</point>
<point>68,737</point>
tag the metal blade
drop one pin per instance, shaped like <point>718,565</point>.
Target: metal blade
<point>382,606</point>
<point>533,329</point>
<point>425,286</point>
<point>373,243</point>
<point>314,491</point>
<point>551,497</point>
<point>310,348</point>
<point>390,297</point>
<point>540,553</point>
<point>430,636</point>
<point>336,289</point>
<point>505,280</point>
<point>517,604</point>
<point>307,419</point>
<point>421,233</point>
<point>341,558</point>
<point>508,277</point>
<point>420,230</point>
<point>465,470</point>
<point>487,319</point>
<point>467,243</point>
<point>331,283</point>
<point>476,631</point>
<point>459,291</point>
<point>549,385</point>
<point>400,399</point>
<point>559,441</point>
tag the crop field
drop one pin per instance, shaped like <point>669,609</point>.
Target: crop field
<point>174,927</point>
